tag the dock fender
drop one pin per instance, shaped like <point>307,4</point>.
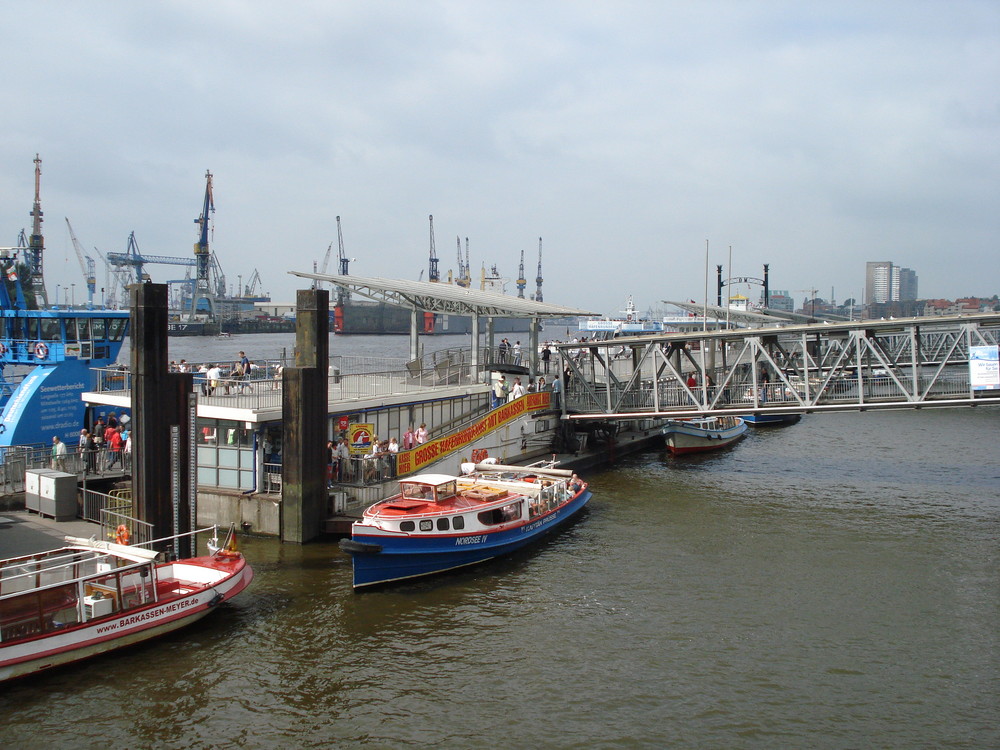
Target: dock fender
<point>355,547</point>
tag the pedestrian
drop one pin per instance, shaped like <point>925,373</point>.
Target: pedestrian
<point>127,450</point>
<point>546,354</point>
<point>422,433</point>
<point>692,381</point>
<point>58,454</point>
<point>115,445</point>
<point>500,391</point>
<point>517,390</point>
<point>214,374</point>
<point>242,372</point>
<point>409,439</point>
<point>90,453</point>
<point>517,352</point>
<point>556,392</point>
<point>343,460</point>
<point>331,458</point>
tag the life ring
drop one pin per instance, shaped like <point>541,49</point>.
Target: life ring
<point>121,534</point>
<point>3,348</point>
<point>41,350</point>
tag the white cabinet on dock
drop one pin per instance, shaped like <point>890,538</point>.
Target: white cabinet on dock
<point>50,493</point>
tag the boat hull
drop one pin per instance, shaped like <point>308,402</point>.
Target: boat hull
<point>106,634</point>
<point>683,438</point>
<point>395,556</point>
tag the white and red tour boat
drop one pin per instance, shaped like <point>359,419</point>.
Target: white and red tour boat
<point>702,434</point>
<point>91,596</point>
<point>438,522</point>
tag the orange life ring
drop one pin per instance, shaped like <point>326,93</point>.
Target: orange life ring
<point>41,350</point>
<point>121,534</point>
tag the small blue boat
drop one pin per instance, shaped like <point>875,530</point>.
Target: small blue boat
<point>771,420</point>
<point>438,522</point>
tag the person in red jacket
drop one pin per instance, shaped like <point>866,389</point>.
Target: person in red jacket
<point>115,444</point>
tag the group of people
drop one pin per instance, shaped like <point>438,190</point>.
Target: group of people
<point>106,446</point>
<point>237,378</point>
<point>379,463</point>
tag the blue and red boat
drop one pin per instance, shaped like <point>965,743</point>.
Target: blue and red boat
<point>439,522</point>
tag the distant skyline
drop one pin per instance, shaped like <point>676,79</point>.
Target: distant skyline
<point>812,137</point>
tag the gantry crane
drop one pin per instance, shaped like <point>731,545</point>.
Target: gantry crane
<point>87,265</point>
<point>203,256</point>
<point>129,267</point>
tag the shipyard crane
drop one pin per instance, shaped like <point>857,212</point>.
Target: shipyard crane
<point>326,262</point>
<point>538,276</point>
<point>343,293</point>
<point>129,267</point>
<point>432,269</point>
<point>462,278</point>
<point>521,281</point>
<point>204,258</point>
<point>87,265</point>
<point>36,244</point>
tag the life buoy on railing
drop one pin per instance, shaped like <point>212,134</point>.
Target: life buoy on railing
<point>121,534</point>
<point>41,350</point>
<point>3,348</point>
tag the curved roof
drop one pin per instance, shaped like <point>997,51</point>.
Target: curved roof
<point>441,297</point>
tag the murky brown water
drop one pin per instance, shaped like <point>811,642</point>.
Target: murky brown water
<point>832,584</point>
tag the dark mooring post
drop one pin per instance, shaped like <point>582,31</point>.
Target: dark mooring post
<point>163,405</point>
<point>305,410</point>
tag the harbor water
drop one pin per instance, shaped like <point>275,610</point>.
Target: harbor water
<point>829,584</point>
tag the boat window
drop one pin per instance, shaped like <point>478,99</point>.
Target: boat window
<point>97,329</point>
<point>505,514</point>
<point>442,524</point>
<point>31,329</point>
<point>413,491</point>
<point>116,328</point>
<point>50,329</point>
<point>70,331</point>
<point>15,330</point>
<point>458,522</point>
<point>444,491</point>
<point>426,525</point>
<point>83,328</point>
<point>407,526</point>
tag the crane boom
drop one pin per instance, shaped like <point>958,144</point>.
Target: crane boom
<point>432,269</point>
<point>87,265</point>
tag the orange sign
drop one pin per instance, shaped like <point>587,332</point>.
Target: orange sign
<point>360,437</point>
<point>413,460</point>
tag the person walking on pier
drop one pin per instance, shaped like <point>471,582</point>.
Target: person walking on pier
<point>546,354</point>
<point>422,434</point>
<point>517,390</point>
<point>242,372</point>
<point>58,454</point>
<point>500,391</point>
<point>409,438</point>
<point>556,392</point>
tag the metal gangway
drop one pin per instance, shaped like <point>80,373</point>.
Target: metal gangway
<point>849,366</point>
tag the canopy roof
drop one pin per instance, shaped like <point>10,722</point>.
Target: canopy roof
<point>441,297</point>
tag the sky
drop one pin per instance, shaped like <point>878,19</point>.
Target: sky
<point>641,141</point>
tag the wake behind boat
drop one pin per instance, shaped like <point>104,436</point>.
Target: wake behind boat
<point>90,597</point>
<point>438,522</point>
<point>702,434</point>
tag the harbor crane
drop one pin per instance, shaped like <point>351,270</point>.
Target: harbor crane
<point>203,256</point>
<point>36,244</point>
<point>87,265</point>
<point>538,276</point>
<point>432,269</point>
<point>462,279</point>
<point>343,293</point>
<point>521,281</point>
<point>129,267</point>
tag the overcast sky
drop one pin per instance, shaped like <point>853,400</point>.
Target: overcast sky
<point>810,136</point>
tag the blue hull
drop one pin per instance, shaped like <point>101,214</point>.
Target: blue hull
<point>769,420</point>
<point>401,557</point>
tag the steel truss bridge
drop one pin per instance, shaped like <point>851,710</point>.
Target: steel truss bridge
<point>852,366</point>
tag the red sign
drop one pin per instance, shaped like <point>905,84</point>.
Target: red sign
<point>343,422</point>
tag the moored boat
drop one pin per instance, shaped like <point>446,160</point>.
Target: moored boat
<point>702,434</point>
<point>438,522</point>
<point>771,420</point>
<point>90,597</point>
